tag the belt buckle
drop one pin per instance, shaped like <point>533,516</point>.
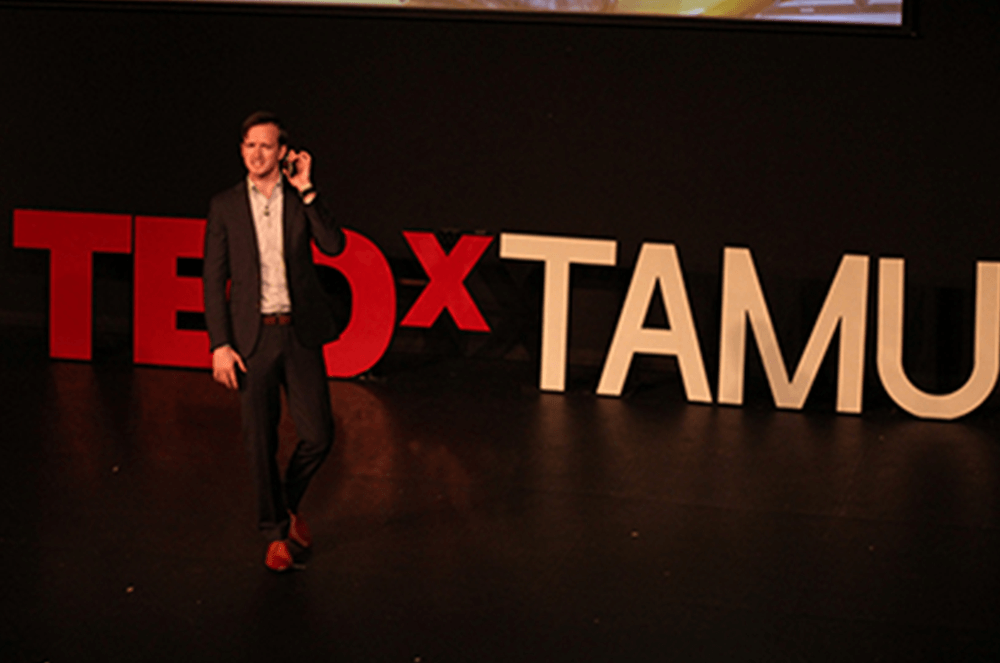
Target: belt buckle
<point>276,319</point>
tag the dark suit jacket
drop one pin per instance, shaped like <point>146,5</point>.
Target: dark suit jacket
<point>232,254</point>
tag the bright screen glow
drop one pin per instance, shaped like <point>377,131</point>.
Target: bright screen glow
<point>850,12</point>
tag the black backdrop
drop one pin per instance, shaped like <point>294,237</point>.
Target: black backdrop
<point>801,145</point>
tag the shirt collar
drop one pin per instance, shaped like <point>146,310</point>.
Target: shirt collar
<point>253,187</point>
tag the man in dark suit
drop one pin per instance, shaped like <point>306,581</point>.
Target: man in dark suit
<point>268,318</point>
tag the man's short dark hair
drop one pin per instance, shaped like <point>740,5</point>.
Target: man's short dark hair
<point>264,117</point>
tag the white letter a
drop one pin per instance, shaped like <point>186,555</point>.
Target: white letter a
<point>657,264</point>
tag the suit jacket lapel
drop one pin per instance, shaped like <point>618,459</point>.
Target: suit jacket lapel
<point>246,222</point>
<point>288,211</point>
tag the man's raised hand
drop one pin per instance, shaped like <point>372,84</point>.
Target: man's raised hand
<point>298,169</point>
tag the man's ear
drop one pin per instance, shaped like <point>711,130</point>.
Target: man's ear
<point>282,152</point>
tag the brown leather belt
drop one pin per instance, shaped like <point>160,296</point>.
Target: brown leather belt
<point>276,319</point>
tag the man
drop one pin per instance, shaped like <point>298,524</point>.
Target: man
<point>267,326</point>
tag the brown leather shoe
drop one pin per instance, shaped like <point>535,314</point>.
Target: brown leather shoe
<point>298,531</point>
<point>278,557</point>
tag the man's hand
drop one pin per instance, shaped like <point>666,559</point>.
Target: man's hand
<point>224,363</point>
<point>299,164</point>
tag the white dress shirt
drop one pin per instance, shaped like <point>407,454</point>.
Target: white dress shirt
<point>267,220</point>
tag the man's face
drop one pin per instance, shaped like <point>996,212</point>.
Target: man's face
<point>261,152</point>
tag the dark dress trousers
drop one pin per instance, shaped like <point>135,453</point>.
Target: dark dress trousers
<point>275,356</point>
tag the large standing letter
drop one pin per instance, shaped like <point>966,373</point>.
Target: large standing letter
<point>845,306</point>
<point>558,253</point>
<point>657,264</point>
<point>72,239</point>
<point>446,289</point>
<point>373,306</point>
<point>160,293</point>
<point>986,363</point>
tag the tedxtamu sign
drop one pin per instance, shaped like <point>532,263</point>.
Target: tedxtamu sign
<point>159,294</point>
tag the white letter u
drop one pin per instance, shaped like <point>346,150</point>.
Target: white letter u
<point>986,362</point>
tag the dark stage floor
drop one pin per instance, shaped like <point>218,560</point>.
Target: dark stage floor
<point>464,516</point>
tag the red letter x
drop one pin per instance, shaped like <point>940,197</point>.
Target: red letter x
<point>446,289</point>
